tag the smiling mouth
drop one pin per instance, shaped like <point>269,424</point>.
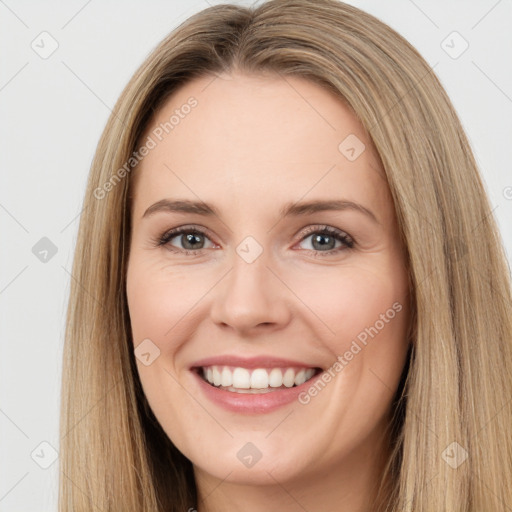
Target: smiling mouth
<point>257,380</point>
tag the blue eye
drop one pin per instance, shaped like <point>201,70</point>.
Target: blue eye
<point>325,240</point>
<point>189,237</point>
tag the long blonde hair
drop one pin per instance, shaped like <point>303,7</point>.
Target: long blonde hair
<point>458,381</point>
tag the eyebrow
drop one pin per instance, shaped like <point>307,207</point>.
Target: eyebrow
<point>290,209</point>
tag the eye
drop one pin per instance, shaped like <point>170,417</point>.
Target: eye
<point>191,239</point>
<point>326,240</point>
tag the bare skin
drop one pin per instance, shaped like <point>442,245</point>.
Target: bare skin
<point>252,145</point>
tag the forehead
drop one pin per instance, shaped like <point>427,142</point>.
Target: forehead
<point>262,139</point>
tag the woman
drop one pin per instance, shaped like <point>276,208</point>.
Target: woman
<point>216,357</point>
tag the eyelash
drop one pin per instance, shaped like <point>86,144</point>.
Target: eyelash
<point>337,234</point>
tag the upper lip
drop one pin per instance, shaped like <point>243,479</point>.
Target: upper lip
<point>251,362</point>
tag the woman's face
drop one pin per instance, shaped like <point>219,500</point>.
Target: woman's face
<point>294,271</point>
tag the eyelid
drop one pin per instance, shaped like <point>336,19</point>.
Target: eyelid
<point>178,230</point>
<point>325,228</point>
<point>338,234</point>
<point>343,237</point>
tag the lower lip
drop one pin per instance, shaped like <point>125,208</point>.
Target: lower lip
<point>252,403</point>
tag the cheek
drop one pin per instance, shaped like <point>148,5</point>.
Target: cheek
<point>351,302</point>
<point>160,301</point>
<point>363,321</point>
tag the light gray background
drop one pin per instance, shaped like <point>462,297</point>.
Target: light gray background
<point>52,112</point>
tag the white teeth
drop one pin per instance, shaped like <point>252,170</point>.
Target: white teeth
<point>257,379</point>
<point>227,377</point>
<point>217,378</point>
<point>241,378</point>
<point>289,378</point>
<point>300,378</point>
<point>275,379</point>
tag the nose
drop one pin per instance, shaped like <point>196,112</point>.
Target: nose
<point>251,298</point>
